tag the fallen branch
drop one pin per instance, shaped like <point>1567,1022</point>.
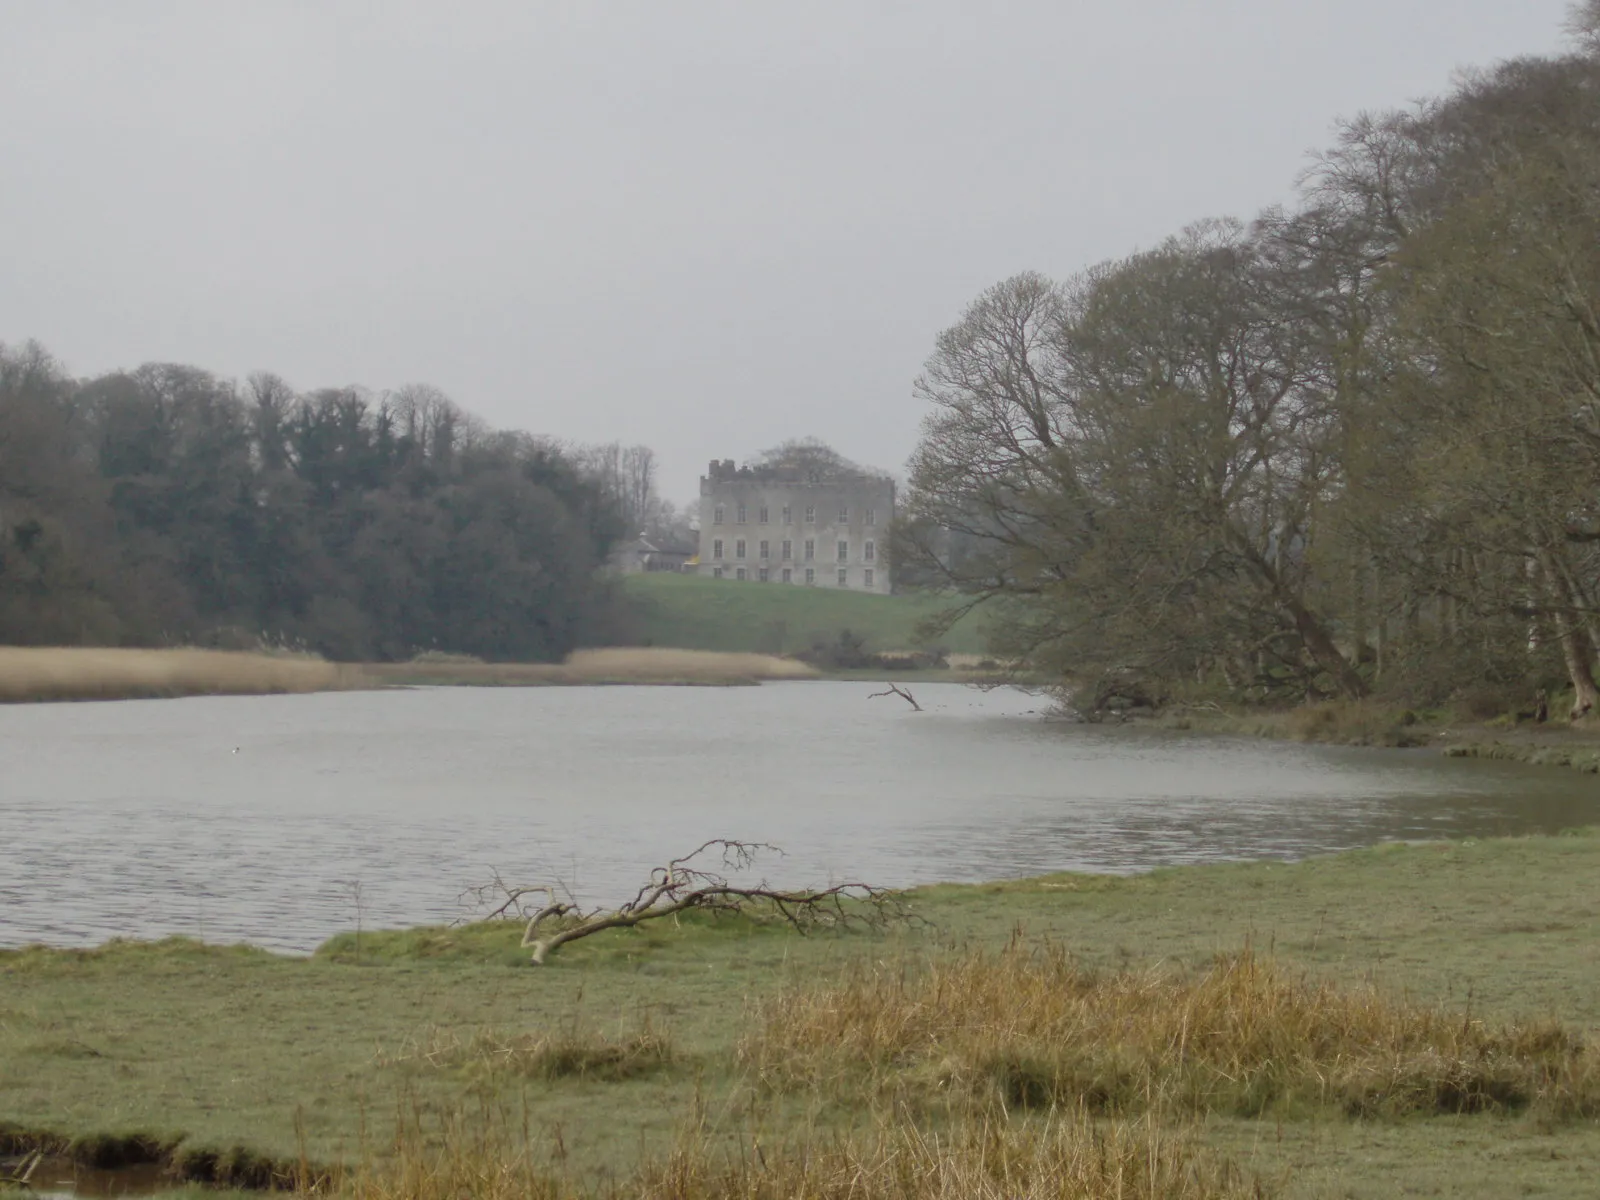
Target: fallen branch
<point>19,1175</point>
<point>896,690</point>
<point>680,886</point>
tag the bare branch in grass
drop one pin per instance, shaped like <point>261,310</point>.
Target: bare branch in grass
<point>682,885</point>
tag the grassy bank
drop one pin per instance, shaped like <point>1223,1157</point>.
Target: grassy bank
<point>1408,1018</point>
<point>723,614</point>
<point>1556,742</point>
<point>88,673</point>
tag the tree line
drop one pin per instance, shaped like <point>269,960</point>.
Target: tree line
<point>1350,446</point>
<point>165,505</point>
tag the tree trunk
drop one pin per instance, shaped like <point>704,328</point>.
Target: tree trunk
<point>1576,652</point>
<point>1359,632</point>
<point>1316,639</point>
<point>1322,648</point>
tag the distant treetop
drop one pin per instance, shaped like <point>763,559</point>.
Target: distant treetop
<point>812,457</point>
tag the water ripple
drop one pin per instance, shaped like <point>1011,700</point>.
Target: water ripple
<point>140,819</point>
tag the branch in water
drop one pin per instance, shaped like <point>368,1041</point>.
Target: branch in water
<point>896,690</point>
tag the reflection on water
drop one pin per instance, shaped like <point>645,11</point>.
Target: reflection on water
<point>59,1178</point>
<point>249,818</point>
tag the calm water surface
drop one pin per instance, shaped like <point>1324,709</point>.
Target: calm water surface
<point>251,818</point>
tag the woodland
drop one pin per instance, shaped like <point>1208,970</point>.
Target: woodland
<point>167,506</point>
<point>1348,448</point>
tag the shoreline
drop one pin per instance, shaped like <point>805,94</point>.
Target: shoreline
<point>1557,744</point>
<point>52,675</point>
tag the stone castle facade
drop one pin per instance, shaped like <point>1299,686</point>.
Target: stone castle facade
<point>780,525</point>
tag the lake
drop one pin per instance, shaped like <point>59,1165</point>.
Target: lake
<point>280,820</point>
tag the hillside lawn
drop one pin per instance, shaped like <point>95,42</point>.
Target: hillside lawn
<point>691,612</point>
<point>238,1046</point>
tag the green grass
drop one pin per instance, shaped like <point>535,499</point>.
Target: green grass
<point>696,613</point>
<point>229,1045</point>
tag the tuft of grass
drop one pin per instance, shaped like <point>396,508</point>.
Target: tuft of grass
<point>1353,723</point>
<point>42,673</point>
<point>497,942</point>
<point>570,1053</point>
<point>1033,1029</point>
<point>1069,1157</point>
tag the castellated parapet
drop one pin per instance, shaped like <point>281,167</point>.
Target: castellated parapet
<point>781,524</point>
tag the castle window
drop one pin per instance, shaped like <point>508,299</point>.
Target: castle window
<point>844,577</point>
<point>811,514</point>
<point>761,514</point>
<point>844,515</point>
<point>844,551</point>
<point>766,549</point>
<point>741,514</point>
<point>788,549</point>
<point>716,548</point>
<point>788,575</point>
<point>788,515</point>
<point>738,548</point>
<point>716,515</point>
<point>739,574</point>
<point>868,576</point>
<point>811,549</point>
<point>764,575</point>
<point>716,572</point>
<point>811,576</point>
<point>872,516</point>
<point>871,551</point>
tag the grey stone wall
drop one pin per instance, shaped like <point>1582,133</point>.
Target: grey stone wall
<point>788,526</point>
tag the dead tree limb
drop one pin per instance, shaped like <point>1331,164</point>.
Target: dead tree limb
<point>896,690</point>
<point>18,1176</point>
<point>683,885</point>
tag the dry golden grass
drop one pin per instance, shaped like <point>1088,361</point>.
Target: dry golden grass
<point>88,673</point>
<point>1033,1029</point>
<point>639,665</point>
<point>571,1053</point>
<point>1067,1158</point>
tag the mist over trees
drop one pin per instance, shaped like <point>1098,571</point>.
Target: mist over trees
<point>1351,446</point>
<point>164,505</point>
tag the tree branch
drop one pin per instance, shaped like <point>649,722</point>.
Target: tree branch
<point>682,885</point>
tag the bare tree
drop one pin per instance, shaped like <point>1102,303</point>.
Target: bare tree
<point>626,476</point>
<point>638,487</point>
<point>812,456</point>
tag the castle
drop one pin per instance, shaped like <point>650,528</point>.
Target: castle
<point>783,524</point>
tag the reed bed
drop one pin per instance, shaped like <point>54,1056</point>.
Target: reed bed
<point>1066,1158</point>
<point>1031,1028</point>
<point>621,665</point>
<point>44,673</point>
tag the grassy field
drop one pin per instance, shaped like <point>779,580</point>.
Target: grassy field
<point>722,614</point>
<point>1406,1020</point>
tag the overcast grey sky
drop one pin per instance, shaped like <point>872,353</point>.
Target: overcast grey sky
<point>702,226</point>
